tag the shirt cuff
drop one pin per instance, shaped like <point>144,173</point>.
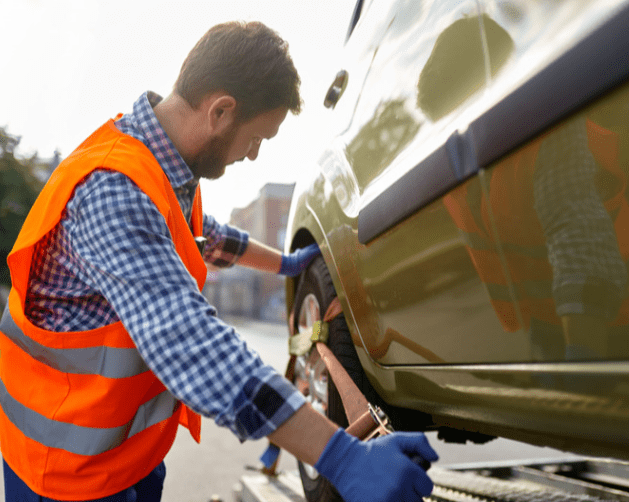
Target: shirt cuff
<point>266,401</point>
<point>228,249</point>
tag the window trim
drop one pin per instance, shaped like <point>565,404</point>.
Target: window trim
<point>358,8</point>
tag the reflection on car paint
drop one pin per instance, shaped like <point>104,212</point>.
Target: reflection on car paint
<point>338,173</point>
<point>503,304</point>
<point>559,218</point>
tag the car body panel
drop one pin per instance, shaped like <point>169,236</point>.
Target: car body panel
<point>432,232</point>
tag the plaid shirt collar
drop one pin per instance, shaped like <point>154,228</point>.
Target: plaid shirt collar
<point>148,128</point>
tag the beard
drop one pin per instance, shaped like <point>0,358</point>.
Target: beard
<point>211,161</point>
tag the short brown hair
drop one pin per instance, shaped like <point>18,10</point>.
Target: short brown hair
<point>249,61</point>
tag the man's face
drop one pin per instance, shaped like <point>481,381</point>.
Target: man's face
<point>211,161</point>
<point>241,140</point>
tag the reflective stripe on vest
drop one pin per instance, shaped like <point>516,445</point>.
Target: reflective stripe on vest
<point>84,440</point>
<point>109,362</point>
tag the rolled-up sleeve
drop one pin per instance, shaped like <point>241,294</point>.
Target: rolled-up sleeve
<point>225,243</point>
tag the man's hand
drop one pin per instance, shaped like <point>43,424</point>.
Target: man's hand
<point>378,470</point>
<point>295,263</point>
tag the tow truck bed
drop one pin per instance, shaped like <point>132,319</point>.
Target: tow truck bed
<point>580,480</point>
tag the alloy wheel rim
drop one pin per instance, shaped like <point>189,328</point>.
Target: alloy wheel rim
<point>311,375</point>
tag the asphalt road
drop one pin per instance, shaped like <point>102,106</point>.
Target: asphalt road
<point>195,472</point>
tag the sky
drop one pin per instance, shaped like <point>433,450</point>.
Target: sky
<point>69,65</point>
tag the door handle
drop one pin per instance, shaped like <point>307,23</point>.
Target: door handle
<point>336,89</point>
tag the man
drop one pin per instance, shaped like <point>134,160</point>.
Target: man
<point>107,344</point>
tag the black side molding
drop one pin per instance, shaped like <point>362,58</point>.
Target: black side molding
<point>411,192</point>
<point>594,66</point>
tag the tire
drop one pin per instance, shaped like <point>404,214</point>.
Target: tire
<point>316,284</point>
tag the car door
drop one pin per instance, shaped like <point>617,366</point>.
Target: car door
<point>414,294</point>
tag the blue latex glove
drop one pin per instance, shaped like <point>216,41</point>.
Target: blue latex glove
<point>295,263</point>
<point>270,455</point>
<point>378,470</point>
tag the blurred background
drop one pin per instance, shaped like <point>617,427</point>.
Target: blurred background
<point>70,65</point>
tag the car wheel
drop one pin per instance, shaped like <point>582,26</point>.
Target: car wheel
<point>314,294</point>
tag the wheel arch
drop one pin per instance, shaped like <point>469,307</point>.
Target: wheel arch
<point>303,237</point>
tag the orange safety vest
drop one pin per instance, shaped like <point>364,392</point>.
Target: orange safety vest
<point>521,235</point>
<point>82,416</point>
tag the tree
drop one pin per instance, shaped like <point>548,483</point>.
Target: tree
<point>18,190</point>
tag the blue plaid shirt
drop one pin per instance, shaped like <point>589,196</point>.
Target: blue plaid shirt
<point>111,258</point>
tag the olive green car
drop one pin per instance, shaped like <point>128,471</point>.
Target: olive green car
<point>470,203</point>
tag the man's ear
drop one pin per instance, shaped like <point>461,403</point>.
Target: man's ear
<point>221,112</point>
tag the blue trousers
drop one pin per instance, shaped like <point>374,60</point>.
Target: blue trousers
<point>148,489</point>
